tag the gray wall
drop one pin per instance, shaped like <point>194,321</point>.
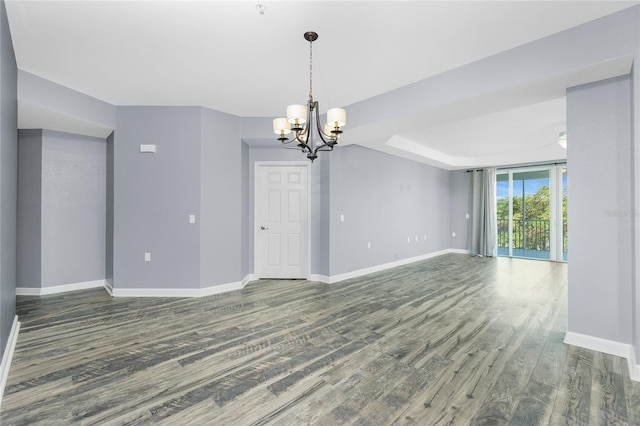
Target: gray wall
<point>109,213</point>
<point>600,209</point>
<point>154,196</point>
<point>220,215</point>
<point>73,208</point>
<point>29,226</point>
<point>321,204</point>
<point>8,179</point>
<point>459,190</point>
<point>246,225</point>
<point>635,149</point>
<point>61,209</point>
<point>387,201</point>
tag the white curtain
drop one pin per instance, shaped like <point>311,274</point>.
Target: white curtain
<point>483,236</point>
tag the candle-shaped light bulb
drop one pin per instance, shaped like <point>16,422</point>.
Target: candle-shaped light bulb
<point>281,126</point>
<point>336,117</point>
<point>327,130</point>
<point>297,114</point>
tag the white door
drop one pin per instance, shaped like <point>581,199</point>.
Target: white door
<point>281,221</point>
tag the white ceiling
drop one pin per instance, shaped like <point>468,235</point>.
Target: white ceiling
<point>226,56</point>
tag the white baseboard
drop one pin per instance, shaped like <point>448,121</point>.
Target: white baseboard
<point>180,292</point>
<point>251,277</point>
<point>623,350</point>
<point>7,356</point>
<point>377,268</point>
<point>458,251</point>
<point>42,291</point>
<point>223,288</point>
<point>108,285</point>
<point>155,292</point>
<point>634,369</point>
<point>138,292</point>
<point>319,278</point>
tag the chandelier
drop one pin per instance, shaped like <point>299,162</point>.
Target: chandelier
<point>300,119</point>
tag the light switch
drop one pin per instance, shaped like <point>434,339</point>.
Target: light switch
<point>467,215</point>
<point>192,218</point>
<point>341,218</point>
<point>147,257</point>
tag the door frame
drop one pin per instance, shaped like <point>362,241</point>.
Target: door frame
<point>555,206</point>
<point>256,176</point>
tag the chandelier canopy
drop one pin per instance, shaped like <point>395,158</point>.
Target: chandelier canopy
<point>300,119</point>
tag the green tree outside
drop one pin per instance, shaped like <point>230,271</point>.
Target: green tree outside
<point>537,205</point>
<point>536,208</point>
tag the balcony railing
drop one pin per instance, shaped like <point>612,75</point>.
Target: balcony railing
<point>528,234</point>
<point>530,238</point>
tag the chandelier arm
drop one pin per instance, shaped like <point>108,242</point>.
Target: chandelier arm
<point>293,139</point>
<point>320,131</point>
<point>304,132</point>
<point>296,148</point>
<point>299,140</point>
<point>324,145</point>
<point>321,149</point>
<point>302,145</point>
<point>287,142</point>
<point>303,150</point>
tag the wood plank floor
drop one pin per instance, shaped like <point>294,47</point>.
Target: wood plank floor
<point>450,340</point>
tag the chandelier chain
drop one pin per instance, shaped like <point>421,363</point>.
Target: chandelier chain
<point>311,69</point>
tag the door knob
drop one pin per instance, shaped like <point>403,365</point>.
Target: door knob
<point>264,228</point>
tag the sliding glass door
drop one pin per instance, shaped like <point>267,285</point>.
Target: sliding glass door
<point>531,212</point>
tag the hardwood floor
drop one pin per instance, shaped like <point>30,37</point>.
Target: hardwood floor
<point>450,340</point>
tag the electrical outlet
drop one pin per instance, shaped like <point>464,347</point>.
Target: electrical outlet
<point>416,238</point>
<point>192,218</point>
<point>408,239</point>
<point>467,215</point>
<point>147,257</point>
<point>368,245</point>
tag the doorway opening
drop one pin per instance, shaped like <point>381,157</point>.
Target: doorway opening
<point>531,207</point>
